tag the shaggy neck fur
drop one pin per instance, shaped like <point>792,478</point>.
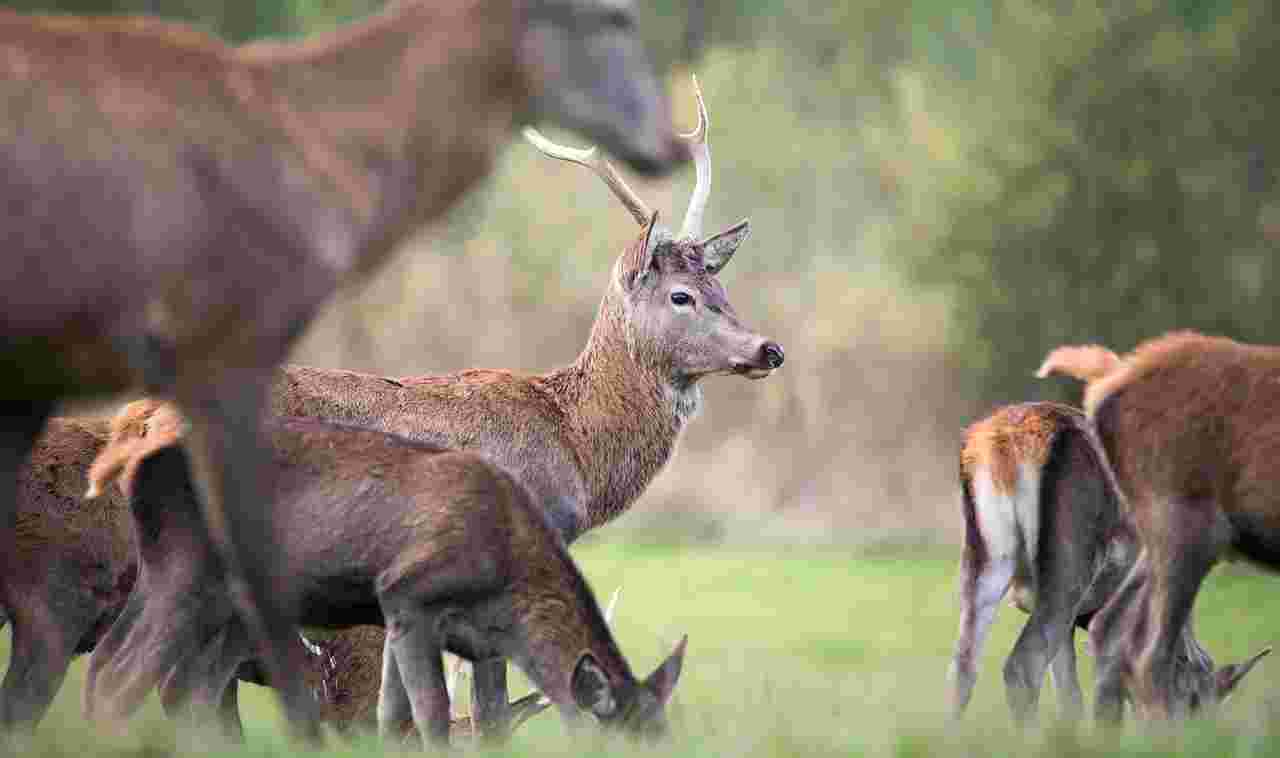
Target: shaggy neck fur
<point>624,413</point>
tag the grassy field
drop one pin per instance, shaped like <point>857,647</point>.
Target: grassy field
<point>795,651</point>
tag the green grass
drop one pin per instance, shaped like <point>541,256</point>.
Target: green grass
<point>796,651</point>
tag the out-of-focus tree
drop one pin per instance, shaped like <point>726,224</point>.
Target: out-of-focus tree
<point>1107,173</point>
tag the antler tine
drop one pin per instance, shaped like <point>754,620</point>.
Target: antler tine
<point>601,167</point>
<point>692,226</point>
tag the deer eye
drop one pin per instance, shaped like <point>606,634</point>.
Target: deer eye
<point>681,298</point>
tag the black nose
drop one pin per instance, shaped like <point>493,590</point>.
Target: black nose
<point>772,354</point>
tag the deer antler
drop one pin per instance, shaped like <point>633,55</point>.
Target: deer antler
<point>692,226</point>
<point>601,167</point>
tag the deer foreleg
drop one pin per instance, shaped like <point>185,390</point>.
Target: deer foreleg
<point>489,698</point>
<point>420,661</point>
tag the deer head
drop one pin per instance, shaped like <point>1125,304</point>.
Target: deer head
<point>634,708</point>
<point>591,76</point>
<point>674,312</point>
<point>1197,684</point>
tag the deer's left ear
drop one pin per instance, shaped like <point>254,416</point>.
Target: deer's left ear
<point>719,248</point>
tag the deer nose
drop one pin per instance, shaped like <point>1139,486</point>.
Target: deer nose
<point>773,354</point>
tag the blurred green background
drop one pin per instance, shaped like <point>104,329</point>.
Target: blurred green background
<point>940,193</point>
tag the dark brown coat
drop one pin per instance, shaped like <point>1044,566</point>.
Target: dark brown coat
<point>447,548</point>
<point>77,566</point>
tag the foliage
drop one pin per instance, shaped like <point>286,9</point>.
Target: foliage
<point>1106,175</point>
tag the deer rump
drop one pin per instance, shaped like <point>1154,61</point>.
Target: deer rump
<point>1041,518</point>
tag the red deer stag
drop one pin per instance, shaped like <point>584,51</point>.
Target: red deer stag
<point>77,567</point>
<point>1190,426</point>
<point>179,209</point>
<point>588,438</point>
<point>444,546</point>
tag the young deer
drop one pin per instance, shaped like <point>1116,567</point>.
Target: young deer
<point>1189,424</point>
<point>444,546</point>
<point>1041,518</point>
<point>179,209</point>
<point>588,438</point>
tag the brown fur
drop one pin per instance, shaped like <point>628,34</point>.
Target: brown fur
<point>1044,524</point>
<point>178,209</point>
<point>77,567</point>
<point>377,526</point>
<point>1191,429</point>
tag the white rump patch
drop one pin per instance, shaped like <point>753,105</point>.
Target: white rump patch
<point>1009,523</point>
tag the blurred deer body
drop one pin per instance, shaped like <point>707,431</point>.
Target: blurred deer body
<point>1191,429</point>
<point>444,546</point>
<point>178,209</point>
<point>76,567</point>
<point>1042,520</point>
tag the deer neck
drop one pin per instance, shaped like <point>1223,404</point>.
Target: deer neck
<point>422,89</point>
<point>624,412</point>
<point>560,620</point>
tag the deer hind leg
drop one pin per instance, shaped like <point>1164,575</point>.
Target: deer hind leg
<point>195,688</point>
<point>982,586</point>
<point>1181,555</point>
<point>1066,678</point>
<point>1064,567</point>
<point>1111,637</point>
<point>40,652</point>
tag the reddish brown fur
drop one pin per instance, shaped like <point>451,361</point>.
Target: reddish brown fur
<point>1191,429</point>
<point>1010,436</point>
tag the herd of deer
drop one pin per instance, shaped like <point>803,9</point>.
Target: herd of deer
<point>179,210</point>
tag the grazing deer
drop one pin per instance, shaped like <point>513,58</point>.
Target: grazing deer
<point>588,438</point>
<point>1190,426</point>
<point>1041,518</point>
<point>444,546</point>
<point>178,209</point>
<point>77,567</point>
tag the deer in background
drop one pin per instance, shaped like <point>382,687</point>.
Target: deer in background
<point>1041,518</point>
<point>178,209</point>
<point>588,438</point>
<point>76,568</point>
<point>1190,427</point>
<point>444,546</point>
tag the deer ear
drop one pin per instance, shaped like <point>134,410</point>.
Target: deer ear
<point>638,258</point>
<point>719,248</point>
<point>591,689</point>
<point>663,679</point>
<point>1227,677</point>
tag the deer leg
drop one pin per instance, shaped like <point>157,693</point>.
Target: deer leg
<point>40,653</point>
<point>420,661</point>
<point>1066,678</point>
<point>229,712</point>
<point>489,698</point>
<point>20,424</point>
<point>1110,636</point>
<point>981,589</point>
<point>1181,556</point>
<point>105,652</point>
<point>229,455</point>
<point>395,713</point>
<point>1064,569</point>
